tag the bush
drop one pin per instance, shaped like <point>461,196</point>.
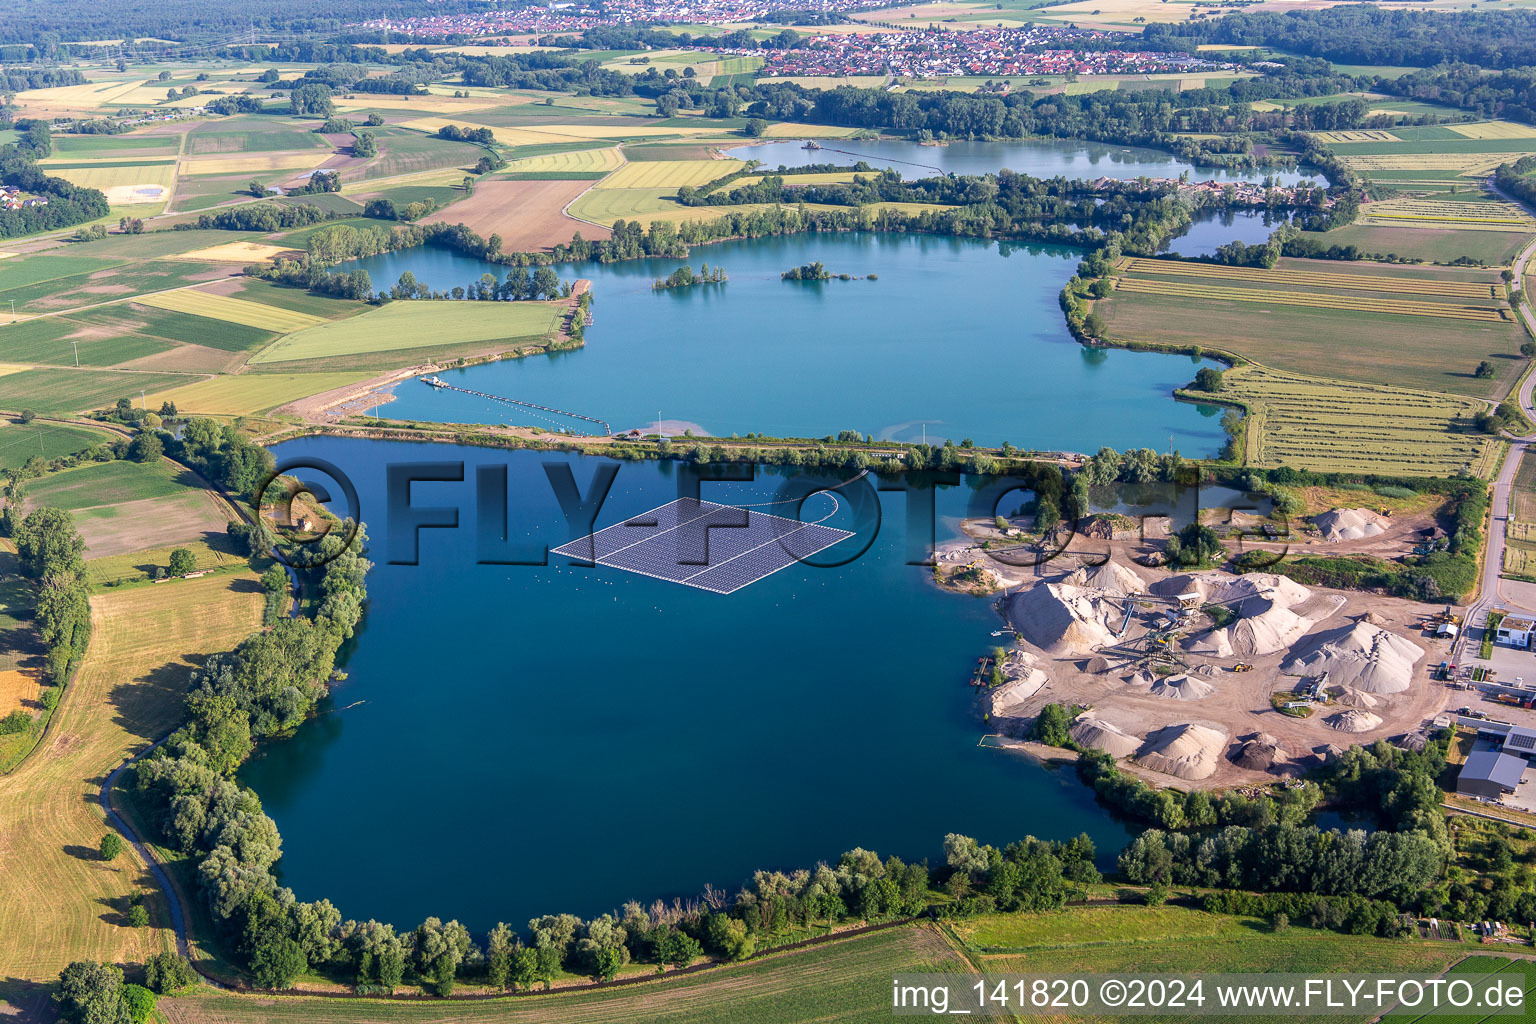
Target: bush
<point>1394,491</point>
<point>139,1002</point>
<point>16,721</point>
<point>168,972</point>
<point>111,845</point>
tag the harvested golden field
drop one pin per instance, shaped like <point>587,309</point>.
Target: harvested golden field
<point>1337,426</point>
<point>18,689</point>
<point>1469,164</point>
<point>237,311</point>
<point>116,175</point>
<point>585,160</point>
<point>60,901</point>
<point>669,173</point>
<point>528,215</point>
<point>1332,138</point>
<point>558,134</point>
<point>255,163</point>
<point>1316,300</point>
<point>1488,216</point>
<point>1494,130</point>
<point>233,252</point>
<point>247,393</point>
<point>1301,275</point>
<point>809,131</point>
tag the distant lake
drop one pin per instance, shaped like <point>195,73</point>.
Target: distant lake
<point>1213,229</point>
<point>959,338</point>
<point>1040,158</point>
<point>514,740</point>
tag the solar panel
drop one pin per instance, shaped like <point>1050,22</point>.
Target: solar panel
<point>1522,740</point>
<point>714,547</point>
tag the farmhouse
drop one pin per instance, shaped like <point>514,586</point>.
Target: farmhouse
<point>1490,774</point>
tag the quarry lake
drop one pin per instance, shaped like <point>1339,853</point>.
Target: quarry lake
<point>519,740</point>
<point>1039,158</point>
<point>958,338</point>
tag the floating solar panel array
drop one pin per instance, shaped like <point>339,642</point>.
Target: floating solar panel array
<point>719,548</point>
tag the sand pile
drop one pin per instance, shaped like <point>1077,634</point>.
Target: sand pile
<point>1020,689</point>
<point>1111,577</point>
<point>1185,583</point>
<point>1362,657</point>
<point>1356,699</point>
<point>1093,732</point>
<point>1186,751</point>
<point>1415,741</point>
<point>1182,688</point>
<point>1328,752</point>
<point>1065,619</point>
<point>1372,618</point>
<point>1097,665</point>
<point>1266,624</point>
<point>1354,720</point>
<point>1350,524</point>
<point>1261,752</point>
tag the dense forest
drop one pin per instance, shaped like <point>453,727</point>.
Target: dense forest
<point>1507,94</point>
<point>1366,34</point>
<point>67,205</point>
<point>51,22</point>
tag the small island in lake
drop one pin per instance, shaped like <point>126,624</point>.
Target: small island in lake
<point>684,277</point>
<point>817,271</point>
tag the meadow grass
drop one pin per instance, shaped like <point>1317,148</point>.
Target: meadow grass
<point>107,483</point>
<point>72,390</point>
<point>846,981</point>
<point>22,441</point>
<point>406,325</point>
<point>68,904</point>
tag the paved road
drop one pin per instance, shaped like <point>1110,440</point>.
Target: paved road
<point>172,901</point>
<point>1503,486</point>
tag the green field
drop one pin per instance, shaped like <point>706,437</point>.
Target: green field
<point>409,325</point>
<point>1336,426</point>
<point>296,299</point>
<point>28,271</point>
<point>216,553</point>
<point>1403,330</point>
<point>847,982</point>
<point>105,285</point>
<point>71,390</point>
<point>22,441</point>
<point>402,151</point>
<point>1437,245</point>
<point>56,341</point>
<point>246,136</point>
<point>188,328</point>
<point>107,483</point>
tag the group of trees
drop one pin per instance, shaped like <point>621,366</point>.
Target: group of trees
<point>66,203</point>
<point>51,553</point>
<point>221,454</point>
<point>263,688</point>
<point>685,276</point>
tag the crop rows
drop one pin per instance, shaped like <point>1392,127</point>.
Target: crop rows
<point>1320,278</point>
<point>1335,425</point>
<point>1315,300</point>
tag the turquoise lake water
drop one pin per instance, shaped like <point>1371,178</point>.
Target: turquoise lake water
<point>1040,158</point>
<point>554,739</point>
<point>958,338</point>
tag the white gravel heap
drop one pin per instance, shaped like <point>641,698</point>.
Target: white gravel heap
<point>1111,577</point>
<point>1187,751</point>
<point>1362,656</point>
<point>1266,622</point>
<point>1089,731</point>
<point>1182,688</point>
<point>1350,524</point>
<point>1065,619</point>
<point>1354,720</point>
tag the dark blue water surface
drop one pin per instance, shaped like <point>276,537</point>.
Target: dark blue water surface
<point>1214,229</point>
<point>554,739</point>
<point>957,338</point>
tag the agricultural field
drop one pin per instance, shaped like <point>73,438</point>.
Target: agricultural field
<point>528,215</point>
<point>582,160</point>
<point>1142,939</point>
<point>124,506</point>
<point>1414,327</point>
<point>1333,426</point>
<point>236,311</point>
<point>22,441</point>
<point>1435,244</point>
<point>68,904</point>
<point>72,390</point>
<point>1467,213</point>
<point>845,981</point>
<point>248,393</point>
<point>215,552</point>
<point>402,326</point>
<point>1520,530</point>
<point>134,336</point>
<point>116,280</point>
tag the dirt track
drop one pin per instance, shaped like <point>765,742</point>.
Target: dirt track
<point>526,214</point>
